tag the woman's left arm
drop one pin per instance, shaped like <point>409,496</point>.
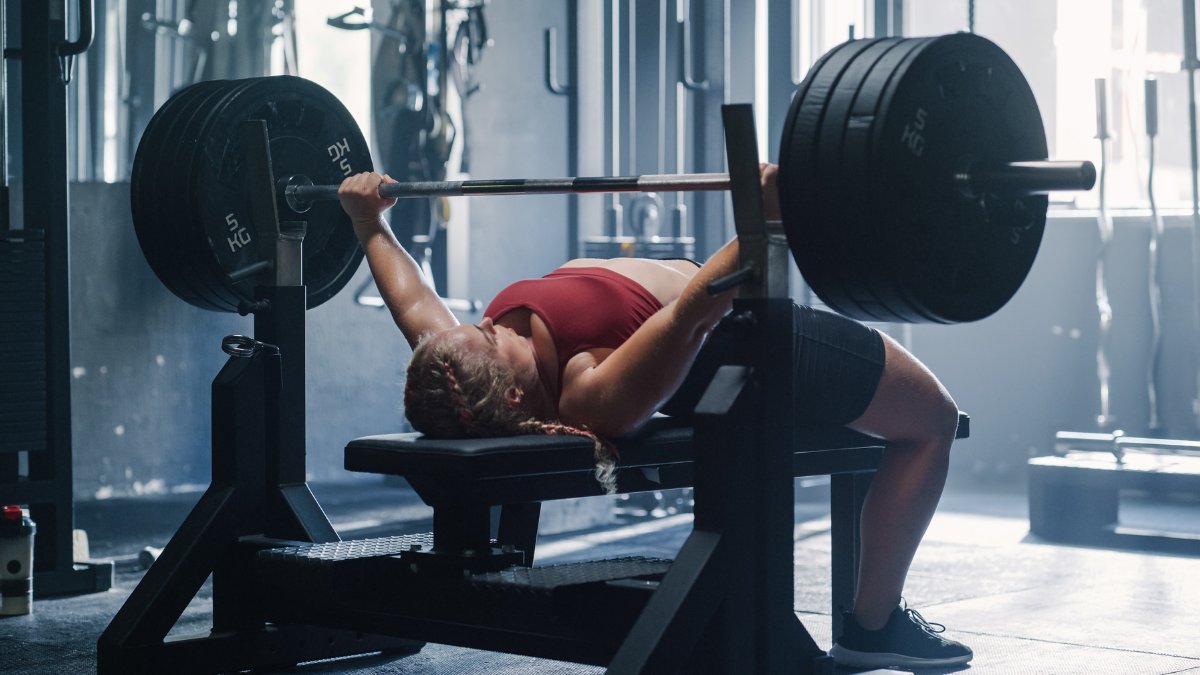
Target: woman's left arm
<point>616,395</point>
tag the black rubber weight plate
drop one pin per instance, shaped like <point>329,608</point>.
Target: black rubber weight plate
<point>155,182</point>
<point>870,146</point>
<point>203,276</point>
<point>799,174</point>
<point>840,212</point>
<point>961,259</point>
<point>311,133</point>
<point>190,203</point>
<point>873,290</point>
<point>169,155</point>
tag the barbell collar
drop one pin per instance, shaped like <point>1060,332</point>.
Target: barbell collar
<point>1025,178</point>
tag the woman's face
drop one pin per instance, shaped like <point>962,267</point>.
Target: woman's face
<point>503,344</point>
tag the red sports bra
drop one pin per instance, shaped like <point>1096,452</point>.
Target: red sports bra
<point>584,307</point>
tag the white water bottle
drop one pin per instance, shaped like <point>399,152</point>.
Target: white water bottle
<point>16,561</point>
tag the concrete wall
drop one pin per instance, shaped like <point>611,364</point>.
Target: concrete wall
<point>516,127</point>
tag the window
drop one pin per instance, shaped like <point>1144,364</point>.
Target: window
<point>1063,47</point>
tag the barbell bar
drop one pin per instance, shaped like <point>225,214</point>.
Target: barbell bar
<point>1012,178</point>
<point>299,192</point>
<point>912,182</point>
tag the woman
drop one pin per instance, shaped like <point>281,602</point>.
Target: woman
<point>598,346</point>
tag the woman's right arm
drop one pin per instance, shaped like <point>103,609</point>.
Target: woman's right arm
<point>615,395</point>
<point>411,298</point>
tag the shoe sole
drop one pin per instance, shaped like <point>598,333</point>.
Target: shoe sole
<point>849,657</point>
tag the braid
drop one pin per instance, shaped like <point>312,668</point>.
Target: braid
<point>604,452</point>
<point>456,393</point>
<point>457,397</point>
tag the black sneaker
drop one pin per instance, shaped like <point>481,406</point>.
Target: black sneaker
<point>907,640</point>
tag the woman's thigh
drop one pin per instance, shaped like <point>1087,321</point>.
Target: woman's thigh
<point>838,364</point>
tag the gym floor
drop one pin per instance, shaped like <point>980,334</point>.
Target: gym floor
<point>1023,605</point>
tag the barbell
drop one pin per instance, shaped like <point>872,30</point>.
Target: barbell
<point>1021,178</point>
<point>912,182</point>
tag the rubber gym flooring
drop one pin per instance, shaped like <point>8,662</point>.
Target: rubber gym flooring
<point>1023,605</point>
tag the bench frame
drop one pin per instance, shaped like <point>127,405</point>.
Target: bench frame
<point>726,600</point>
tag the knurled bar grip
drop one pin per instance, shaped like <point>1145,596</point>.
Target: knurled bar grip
<point>519,186</point>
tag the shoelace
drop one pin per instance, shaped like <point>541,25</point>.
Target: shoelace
<point>927,626</point>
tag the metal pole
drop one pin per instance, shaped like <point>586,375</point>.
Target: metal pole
<point>1190,65</point>
<point>1104,418</point>
<point>1156,233</point>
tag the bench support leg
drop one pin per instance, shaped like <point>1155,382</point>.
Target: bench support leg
<point>731,589</point>
<point>519,527</point>
<point>257,489</point>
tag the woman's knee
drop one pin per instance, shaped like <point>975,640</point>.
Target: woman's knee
<point>910,403</point>
<point>944,416</point>
<point>938,410</point>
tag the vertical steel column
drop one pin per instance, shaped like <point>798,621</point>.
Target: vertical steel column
<point>9,461</point>
<point>573,126</point>
<point>44,182</point>
<point>765,505</point>
<point>726,602</point>
<point>140,64</point>
<point>705,76</point>
<point>782,38</point>
<point>1190,64</point>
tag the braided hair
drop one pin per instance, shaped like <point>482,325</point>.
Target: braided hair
<point>453,392</point>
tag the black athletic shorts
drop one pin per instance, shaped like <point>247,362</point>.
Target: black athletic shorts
<point>838,364</point>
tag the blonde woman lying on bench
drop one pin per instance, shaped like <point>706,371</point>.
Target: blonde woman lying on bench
<point>596,347</point>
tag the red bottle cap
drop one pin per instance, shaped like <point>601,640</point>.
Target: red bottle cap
<point>12,513</point>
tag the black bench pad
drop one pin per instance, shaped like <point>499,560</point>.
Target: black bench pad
<point>663,441</point>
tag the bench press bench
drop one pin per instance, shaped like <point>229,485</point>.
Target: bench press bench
<point>462,479</point>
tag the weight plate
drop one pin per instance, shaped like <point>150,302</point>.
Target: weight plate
<point>963,100</point>
<point>201,276</point>
<point>841,204</point>
<point>874,289</point>
<point>801,196</point>
<point>310,133</point>
<point>155,180</point>
<point>191,204</point>
<point>870,148</point>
